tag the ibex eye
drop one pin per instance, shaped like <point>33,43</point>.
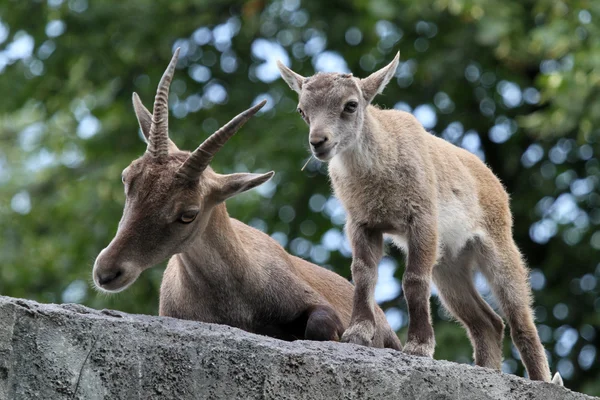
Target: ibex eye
<point>188,216</point>
<point>350,107</point>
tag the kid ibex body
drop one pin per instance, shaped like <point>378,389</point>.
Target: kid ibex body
<point>438,202</point>
<point>220,270</point>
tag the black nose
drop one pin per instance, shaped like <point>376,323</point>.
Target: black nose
<point>318,142</point>
<point>104,279</point>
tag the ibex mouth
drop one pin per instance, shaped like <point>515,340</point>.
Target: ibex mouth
<point>325,154</point>
<point>113,279</point>
<point>107,279</point>
<point>113,285</point>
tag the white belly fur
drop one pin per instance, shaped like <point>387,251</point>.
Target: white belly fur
<point>456,227</point>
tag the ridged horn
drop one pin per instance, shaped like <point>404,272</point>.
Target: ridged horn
<point>202,156</point>
<point>158,139</point>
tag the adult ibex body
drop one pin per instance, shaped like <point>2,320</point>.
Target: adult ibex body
<point>220,270</point>
<point>438,202</point>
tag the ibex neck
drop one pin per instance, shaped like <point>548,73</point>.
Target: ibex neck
<point>368,148</point>
<point>217,253</point>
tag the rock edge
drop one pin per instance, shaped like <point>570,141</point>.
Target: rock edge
<point>69,351</point>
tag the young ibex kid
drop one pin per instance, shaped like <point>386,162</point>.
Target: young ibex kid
<point>220,270</point>
<point>438,202</point>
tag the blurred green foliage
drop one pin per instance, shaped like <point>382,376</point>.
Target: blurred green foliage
<point>517,83</point>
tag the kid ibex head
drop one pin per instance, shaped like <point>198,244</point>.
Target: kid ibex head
<point>333,105</point>
<point>169,194</point>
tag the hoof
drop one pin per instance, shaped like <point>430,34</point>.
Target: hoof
<point>361,333</point>
<point>419,349</point>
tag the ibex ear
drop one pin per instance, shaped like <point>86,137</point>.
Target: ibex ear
<point>230,185</point>
<point>144,118</point>
<point>290,77</point>
<point>376,82</point>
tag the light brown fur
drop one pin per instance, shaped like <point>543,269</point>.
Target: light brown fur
<point>220,270</point>
<point>438,202</point>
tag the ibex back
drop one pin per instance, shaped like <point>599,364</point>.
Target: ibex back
<point>220,270</point>
<point>438,202</point>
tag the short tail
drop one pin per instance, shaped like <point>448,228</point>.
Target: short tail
<point>557,379</point>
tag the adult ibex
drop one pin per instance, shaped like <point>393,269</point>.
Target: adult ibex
<point>220,270</point>
<point>438,202</point>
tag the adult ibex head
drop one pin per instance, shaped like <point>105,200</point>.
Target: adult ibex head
<point>169,193</point>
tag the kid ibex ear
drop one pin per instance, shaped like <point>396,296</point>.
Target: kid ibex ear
<point>293,79</point>
<point>376,82</point>
<point>230,185</point>
<point>144,118</point>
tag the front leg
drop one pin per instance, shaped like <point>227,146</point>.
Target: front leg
<point>323,323</point>
<point>367,249</point>
<point>422,254</point>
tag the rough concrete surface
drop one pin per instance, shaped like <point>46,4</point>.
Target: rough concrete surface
<point>73,352</point>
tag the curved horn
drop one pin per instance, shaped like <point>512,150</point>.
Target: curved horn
<point>201,157</point>
<point>158,139</point>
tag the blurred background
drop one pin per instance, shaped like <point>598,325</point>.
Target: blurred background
<point>516,83</point>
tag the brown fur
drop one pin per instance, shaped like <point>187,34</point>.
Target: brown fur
<point>438,202</point>
<point>220,270</point>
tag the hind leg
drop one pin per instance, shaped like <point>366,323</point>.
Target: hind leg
<point>454,279</point>
<point>384,334</point>
<point>505,271</point>
<point>391,340</point>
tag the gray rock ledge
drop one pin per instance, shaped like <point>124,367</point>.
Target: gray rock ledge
<point>69,351</point>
